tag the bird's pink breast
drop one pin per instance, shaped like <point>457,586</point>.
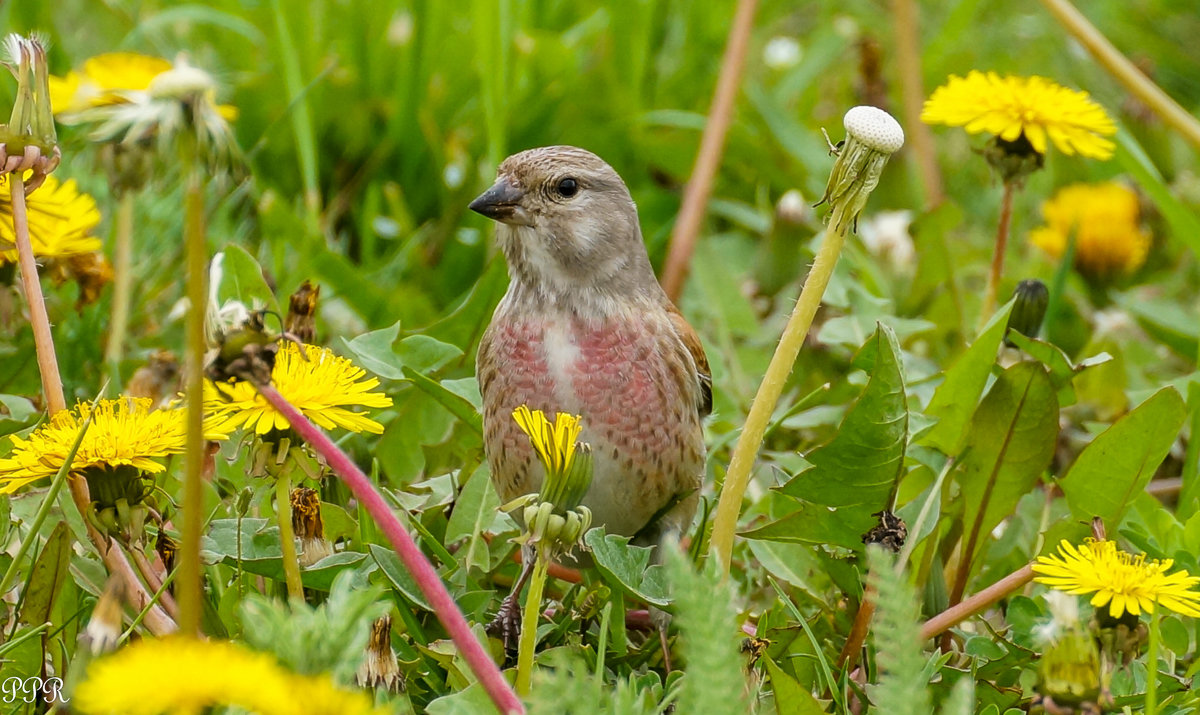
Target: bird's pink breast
<point>633,386</point>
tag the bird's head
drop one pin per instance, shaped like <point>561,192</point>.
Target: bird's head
<point>567,223</point>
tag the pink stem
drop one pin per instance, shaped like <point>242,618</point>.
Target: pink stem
<point>422,571</point>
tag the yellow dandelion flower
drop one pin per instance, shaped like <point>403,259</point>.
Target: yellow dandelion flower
<point>1109,242</point>
<point>190,676</point>
<point>554,443</point>
<point>1122,581</point>
<point>568,463</point>
<point>61,221</point>
<point>1008,107</point>
<point>124,432</point>
<point>103,79</point>
<point>322,387</point>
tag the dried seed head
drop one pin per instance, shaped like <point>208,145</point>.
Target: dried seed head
<point>872,135</point>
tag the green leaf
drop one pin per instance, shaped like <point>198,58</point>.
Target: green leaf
<point>262,554</point>
<point>1062,370</point>
<point>954,401</point>
<point>628,568</point>
<point>398,575</point>
<point>862,462</point>
<point>790,697</point>
<point>50,572</point>
<point>458,405</point>
<point>816,524</point>
<point>1119,463</point>
<point>425,354</point>
<point>475,511</point>
<point>464,325</point>
<point>1011,441</point>
<point>242,280</point>
<point>1165,321</point>
<point>16,413</point>
<point>374,352</point>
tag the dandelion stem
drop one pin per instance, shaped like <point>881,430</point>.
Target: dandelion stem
<point>744,454</point>
<point>529,622</point>
<point>418,565</point>
<point>1152,666</point>
<point>976,602</point>
<point>993,284</point>
<point>708,159</point>
<point>287,539</point>
<point>39,319</point>
<point>122,284</point>
<point>193,492</point>
<point>1124,71</point>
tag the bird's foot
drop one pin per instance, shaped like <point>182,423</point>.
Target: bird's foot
<point>507,624</point>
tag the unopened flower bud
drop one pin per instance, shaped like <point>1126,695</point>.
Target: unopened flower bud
<point>872,136</point>
<point>1032,299</point>
<point>29,142</point>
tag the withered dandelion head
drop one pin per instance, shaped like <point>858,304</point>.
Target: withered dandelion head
<point>191,675</point>
<point>1035,108</point>
<point>1123,582</point>
<point>124,433</point>
<point>1103,218</point>
<point>324,386</point>
<point>61,221</point>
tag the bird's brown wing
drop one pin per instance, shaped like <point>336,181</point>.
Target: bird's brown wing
<point>692,342</point>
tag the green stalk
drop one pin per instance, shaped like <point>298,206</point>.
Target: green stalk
<point>529,622</point>
<point>302,124</point>
<point>193,491</point>
<point>1152,667</point>
<point>287,539</point>
<point>744,454</point>
<point>122,285</point>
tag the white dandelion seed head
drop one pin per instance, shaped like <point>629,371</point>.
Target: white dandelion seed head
<point>875,128</point>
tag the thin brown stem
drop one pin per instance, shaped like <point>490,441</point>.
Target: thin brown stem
<point>712,144</point>
<point>122,282</point>
<point>977,602</point>
<point>153,581</point>
<point>997,272</point>
<point>858,632</point>
<point>39,319</point>
<point>193,492</point>
<point>908,59</point>
<point>1124,71</point>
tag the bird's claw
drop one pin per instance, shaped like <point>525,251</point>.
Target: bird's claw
<point>507,624</point>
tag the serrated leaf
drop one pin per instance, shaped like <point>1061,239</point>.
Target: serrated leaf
<point>1119,462</point>
<point>862,462</point>
<point>954,401</point>
<point>628,568</point>
<point>1011,441</point>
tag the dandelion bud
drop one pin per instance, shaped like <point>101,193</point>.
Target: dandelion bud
<point>872,136</point>
<point>1032,298</point>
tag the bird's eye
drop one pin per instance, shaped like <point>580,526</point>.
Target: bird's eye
<point>568,187</point>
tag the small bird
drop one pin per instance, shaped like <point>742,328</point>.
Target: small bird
<point>586,329</point>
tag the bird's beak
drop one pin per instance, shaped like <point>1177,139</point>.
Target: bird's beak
<point>502,202</point>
